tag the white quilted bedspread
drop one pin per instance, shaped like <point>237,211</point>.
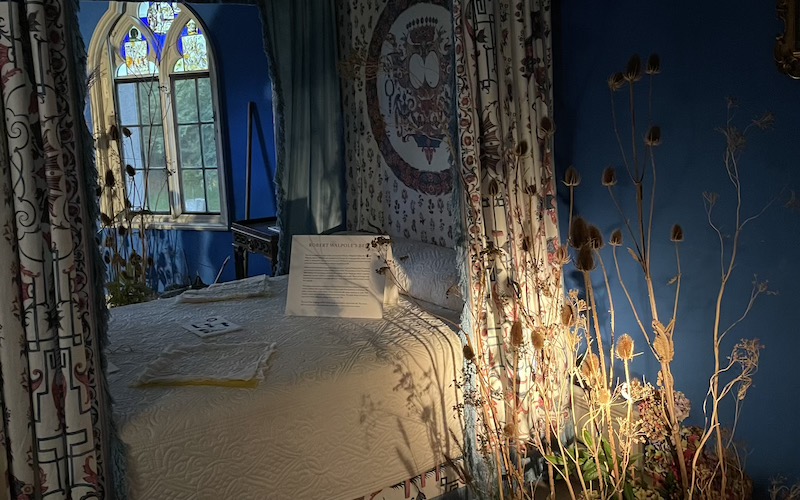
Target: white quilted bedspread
<point>347,406</point>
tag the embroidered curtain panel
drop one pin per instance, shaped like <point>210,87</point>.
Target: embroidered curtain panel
<point>51,384</point>
<point>504,98</point>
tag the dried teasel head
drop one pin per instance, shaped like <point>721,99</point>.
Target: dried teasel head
<point>604,396</point>
<point>561,256</point>
<point>469,354</point>
<point>676,235</point>
<point>633,72</point>
<point>510,430</point>
<point>516,334</point>
<point>609,177</point>
<point>130,170</point>
<point>616,82</point>
<point>578,233</point>
<point>590,368</point>
<point>530,189</point>
<point>653,65</point>
<point>653,137</point>
<point>595,238</point>
<point>625,347</point>
<point>537,338</point>
<point>572,177</point>
<point>585,260</point>
<point>522,148</point>
<point>567,316</point>
<point>109,179</point>
<point>616,238</point>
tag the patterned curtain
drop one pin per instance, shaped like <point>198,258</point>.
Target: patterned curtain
<point>50,382</point>
<point>504,98</point>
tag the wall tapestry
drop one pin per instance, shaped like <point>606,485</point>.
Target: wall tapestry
<point>397,94</point>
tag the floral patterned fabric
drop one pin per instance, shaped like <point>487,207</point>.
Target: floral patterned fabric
<point>397,99</point>
<point>503,71</point>
<point>51,431</point>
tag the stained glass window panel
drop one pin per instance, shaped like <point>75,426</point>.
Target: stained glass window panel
<point>192,48</point>
<point>212,190</point>
<point>186,101</point>
<point>189,145</point>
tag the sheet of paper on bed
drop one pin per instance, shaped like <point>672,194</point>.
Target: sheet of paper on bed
<point>337,276</point>
<point>232,290</point>
<point>210,327</point>
<point>227,365</point>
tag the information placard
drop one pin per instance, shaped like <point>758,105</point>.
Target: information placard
<point>337,276</point>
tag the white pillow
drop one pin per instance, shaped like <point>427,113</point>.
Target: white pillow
<point>426,272</point>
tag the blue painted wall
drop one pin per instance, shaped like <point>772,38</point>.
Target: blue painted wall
<point>235,32</point>
<point>709,51</point>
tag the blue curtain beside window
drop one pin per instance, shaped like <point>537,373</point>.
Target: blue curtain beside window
<point>300,40</point>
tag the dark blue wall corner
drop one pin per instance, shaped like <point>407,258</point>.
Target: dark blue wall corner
<point>243,76</point>
<point>708,52</point>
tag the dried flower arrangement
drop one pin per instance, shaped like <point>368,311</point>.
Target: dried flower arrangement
<point>596,420</point>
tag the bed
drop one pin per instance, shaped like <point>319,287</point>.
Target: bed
<point>347,408</point>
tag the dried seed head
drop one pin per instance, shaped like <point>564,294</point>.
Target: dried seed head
<point>130,170</point>
<point>567,317</point>
<point>522,148</point>
<point>616,82</point>
<point>590,368</point>
<point>579,233</point>
<point>516,334</point>
<point>604,397</point>
<point>105,219</point>
<point>110,180</point>
<point>122,230</point>
<point>625,347</point>
<point>633,73</point>
<point>676,234</point>
<point>113,132</point>
<point>653,136</point>
<point>537,338</point>
<point>571,177</point>
<point>595,238</point>
<point>561,256</point>
<point>616,238</point>
<point>510,430</point>
<point>610,177</point>
<point>653,65</point>
<point>126,132</point>
<point>526,244</point>
<point>469,354</point>
<point>530,189</point>
<point>585,260</point>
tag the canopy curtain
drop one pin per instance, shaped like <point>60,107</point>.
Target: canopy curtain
<point>51,391</point>
<point>504,95</point>
<point>300,39</point>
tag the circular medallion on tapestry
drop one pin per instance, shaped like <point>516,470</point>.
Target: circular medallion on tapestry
<point>409,97</point>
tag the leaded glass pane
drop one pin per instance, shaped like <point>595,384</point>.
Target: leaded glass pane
<point>153,145</point>
<point>194,199</point>
<point>206,100</point>
<point>212,190</point>
<point>134,186</point>
<point>189,145</point>
<point>127,104</point>
<point>209,145</point>
<point>132,148</point>
<point>157,190</point>
<point>150,102</point>
<point>186,101</point>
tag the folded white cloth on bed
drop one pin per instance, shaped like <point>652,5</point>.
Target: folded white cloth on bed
<point>240,289</point>
<point>229,365</point>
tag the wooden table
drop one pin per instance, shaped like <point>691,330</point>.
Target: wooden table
<point>259,236</point>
